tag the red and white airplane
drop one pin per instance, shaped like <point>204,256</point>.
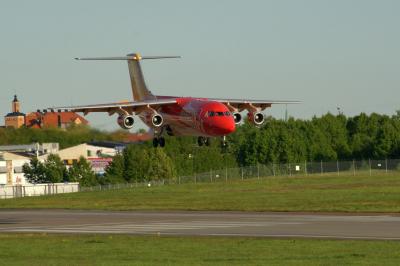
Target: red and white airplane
<point>177,116</point>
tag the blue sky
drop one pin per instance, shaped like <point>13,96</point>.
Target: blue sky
<point>328,54</point>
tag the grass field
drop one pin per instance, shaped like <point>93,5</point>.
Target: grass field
<point>35,249</point>
<point>379,193</point>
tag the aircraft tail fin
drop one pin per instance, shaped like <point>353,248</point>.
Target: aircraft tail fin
<point>139,89</point>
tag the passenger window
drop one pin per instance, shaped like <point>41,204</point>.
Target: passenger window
<point>211,113</point>
<point>227,113</point>
<point>220,113</point>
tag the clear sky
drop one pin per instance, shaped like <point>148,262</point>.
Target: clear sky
<point>329,54</point>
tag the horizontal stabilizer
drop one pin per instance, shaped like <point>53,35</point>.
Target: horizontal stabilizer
<point>136,57</point>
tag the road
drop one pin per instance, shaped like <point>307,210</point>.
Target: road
<point>278,225</point>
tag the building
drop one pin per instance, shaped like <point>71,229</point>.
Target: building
<point>11,168</point>
<point>15,119</point>
<point>99,157</point>
<point>13,157</point>
<point>54,119</point>
<point>39,119</point>
<point>30,150</point>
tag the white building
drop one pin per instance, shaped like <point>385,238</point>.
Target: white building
<point>99,157</point>
<point>71,154</point>
<point>11,169</point>
<point>11,162</point>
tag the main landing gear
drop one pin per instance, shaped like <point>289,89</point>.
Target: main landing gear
<point>203,141</point>
<point>159,142</point>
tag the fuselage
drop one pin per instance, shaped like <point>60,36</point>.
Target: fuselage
<point>194,117</point>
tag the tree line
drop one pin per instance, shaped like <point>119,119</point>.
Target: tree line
<point>73,135</point>
<point>53,170</point>
<point>326,138</point>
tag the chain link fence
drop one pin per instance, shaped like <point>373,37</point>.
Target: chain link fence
<point>360,167</point>
<point>348,168</point>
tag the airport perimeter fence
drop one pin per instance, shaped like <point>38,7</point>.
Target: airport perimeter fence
<point>348,168</point>
<point>260,171</point>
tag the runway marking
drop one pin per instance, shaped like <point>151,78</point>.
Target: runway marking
<point>141,228</point>
<point>210,234</point>
<point>285,225</point>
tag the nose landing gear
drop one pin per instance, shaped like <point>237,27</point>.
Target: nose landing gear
<point>224,142</point>
<point>159,142</point>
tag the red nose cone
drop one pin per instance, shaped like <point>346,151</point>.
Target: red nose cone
<point>219,126</point>
<point>217,120</point>
<point>227,126</point>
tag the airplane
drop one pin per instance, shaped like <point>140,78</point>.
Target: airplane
<point>176,116</point>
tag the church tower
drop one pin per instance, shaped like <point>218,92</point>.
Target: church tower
<point>15,119</point>
<point>15,105</point>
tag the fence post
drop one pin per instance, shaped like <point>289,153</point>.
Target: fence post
<point>386,165</point>
<point>370,167</point>
<point>258,171</point>
<point>322,169</point>
<point>211,175</point>
<point>337,166</point>
<point>290,170</point>
<point>226,174</point>
<point>179,180</point>
<point>354,167</point>
<point>305,167</point>
<point>242,172</point>
<point>273,169</point>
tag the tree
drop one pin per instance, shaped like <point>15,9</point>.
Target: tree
<point>51,171</point>
<point>160,166</point>
<point>115,171</point>
<point>146,163</point>
<point>35,171</point>
<point>55,169</point>
<point>81,171</point>
<point>136,163</point>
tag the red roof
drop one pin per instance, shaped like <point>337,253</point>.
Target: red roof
<point>137,137</point>
<point>51,119</point>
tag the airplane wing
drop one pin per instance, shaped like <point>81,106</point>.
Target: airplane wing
<point>112,108</point>
<point>242,104</point>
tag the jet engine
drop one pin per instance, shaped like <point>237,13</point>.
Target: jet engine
<point>125,121</point>
<point>256,118</point>
<point>157,120</point>
<point>237,117</point>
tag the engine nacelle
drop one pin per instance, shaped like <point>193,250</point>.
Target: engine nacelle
<point>256,118</point>
<point>157,120</point>
<point>237,117</point>
<point>125,121</point>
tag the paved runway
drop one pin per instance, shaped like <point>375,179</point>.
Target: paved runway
<point>280,225</point>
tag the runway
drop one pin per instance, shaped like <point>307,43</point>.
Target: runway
<point>188,223</point>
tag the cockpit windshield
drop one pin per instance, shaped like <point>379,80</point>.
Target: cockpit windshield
<point>213,113</point>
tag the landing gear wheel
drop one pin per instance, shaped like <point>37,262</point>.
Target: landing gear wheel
<point>207,141</point>
<point>155,142</point>
<point>201,141</point>
<point>161,142</point>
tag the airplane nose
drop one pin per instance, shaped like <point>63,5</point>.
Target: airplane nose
<point>221,127</point>
<point>227,128</point>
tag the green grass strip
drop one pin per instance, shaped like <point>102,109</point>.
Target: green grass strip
<point>42,249</point>
<point>379,193</point>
